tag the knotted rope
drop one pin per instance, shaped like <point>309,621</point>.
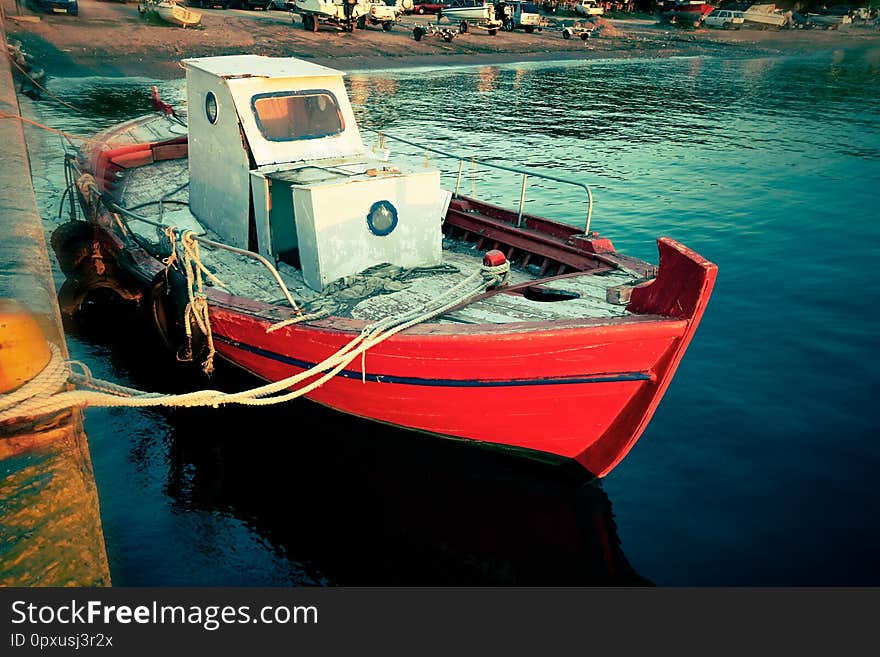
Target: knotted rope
<point>197,305</point>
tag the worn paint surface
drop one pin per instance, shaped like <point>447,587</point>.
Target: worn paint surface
<point>50,526</point>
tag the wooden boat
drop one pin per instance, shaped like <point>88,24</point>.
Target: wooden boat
<point>173,13</point>
<point>829,21</point>
<point>765,16</point>
<point>565,358</point>
<point>470,11</point>
<point>685,12</point>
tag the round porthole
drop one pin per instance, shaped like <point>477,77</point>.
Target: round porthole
<point>211,110</point>
<point>382,218</point>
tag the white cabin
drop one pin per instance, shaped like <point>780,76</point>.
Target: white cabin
<point>277,165</point>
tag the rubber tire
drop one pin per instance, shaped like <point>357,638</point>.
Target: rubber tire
<point>162,315</point>
<point>725,26</point>
<point>386,27</point>
<point>529,29</point>
<point>492,32</point>
<point>418,33</point>
<point>420,11</point>
<point>362,23</point>
<point>166,318</point>
<point>72,243</point>
<point>585,36</point>
<point>566,35</point>
<point>463,27</point>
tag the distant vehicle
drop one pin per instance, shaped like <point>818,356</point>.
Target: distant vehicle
<point>403,6</point>
<point>518,15</point>
<point>70,7</point>
<point>429,7</point>
<point>337,13</point>
<point>211,4</point>
<point>588,8</point>
<point>380,14</point>
<point>724,19</point>
<point>283,5</point>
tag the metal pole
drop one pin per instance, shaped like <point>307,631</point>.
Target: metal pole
<point>522,200</point>
<point>589,209</point>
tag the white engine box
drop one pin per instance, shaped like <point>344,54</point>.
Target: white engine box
<point>334,234</point>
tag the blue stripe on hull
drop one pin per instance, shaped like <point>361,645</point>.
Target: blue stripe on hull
<point>615,377</point>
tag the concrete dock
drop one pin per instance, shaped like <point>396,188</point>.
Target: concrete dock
<point>50,524</point>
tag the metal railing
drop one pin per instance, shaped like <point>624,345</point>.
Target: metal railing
<point>525,173</point>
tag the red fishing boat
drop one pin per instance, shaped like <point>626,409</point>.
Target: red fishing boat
<point>685,12</point>
<point>263,230</point>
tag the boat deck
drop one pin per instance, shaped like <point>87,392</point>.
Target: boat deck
<point>380,291</point>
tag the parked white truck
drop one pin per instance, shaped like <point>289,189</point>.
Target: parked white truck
<point>519,15</point>
<point>345,14</point>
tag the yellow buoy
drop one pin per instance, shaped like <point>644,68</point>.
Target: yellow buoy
<point>24,351</point>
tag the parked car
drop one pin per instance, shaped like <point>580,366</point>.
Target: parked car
<point>518,14</point>
<point>210,4</point>
<point>429,7</point>
<point>70,7</point>
<point>724,19</point>
<point>588,8</point>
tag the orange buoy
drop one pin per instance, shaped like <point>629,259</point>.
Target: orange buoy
<point>24,352</point>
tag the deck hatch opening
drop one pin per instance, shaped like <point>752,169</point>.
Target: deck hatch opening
<point>548,294</point>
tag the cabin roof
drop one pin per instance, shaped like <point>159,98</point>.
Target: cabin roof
<point>258,66</point>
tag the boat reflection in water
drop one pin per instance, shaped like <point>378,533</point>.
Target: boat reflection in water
<point>353,502</point>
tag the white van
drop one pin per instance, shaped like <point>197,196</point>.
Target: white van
<point>519,15</point>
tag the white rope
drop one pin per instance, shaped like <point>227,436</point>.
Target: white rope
<point>41,396</point>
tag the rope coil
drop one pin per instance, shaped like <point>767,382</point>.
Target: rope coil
<point>45,394</point>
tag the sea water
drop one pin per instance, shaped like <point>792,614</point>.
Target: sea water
<point>760,465</point>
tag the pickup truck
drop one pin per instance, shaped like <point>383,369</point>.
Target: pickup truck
<point>380,14</point>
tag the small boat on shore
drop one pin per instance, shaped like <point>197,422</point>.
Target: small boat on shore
<point>685,12</point>
<point>829,21</point>
<point>469,11</point>
<point>263,231</point>
<point>766,16</point>
<point>171,12</point>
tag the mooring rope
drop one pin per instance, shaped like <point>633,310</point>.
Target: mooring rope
<point>38,85</point>
<point>18,117</point>
<point>45,394</point>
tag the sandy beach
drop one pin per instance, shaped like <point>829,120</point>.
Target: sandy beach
<point>112,39</point>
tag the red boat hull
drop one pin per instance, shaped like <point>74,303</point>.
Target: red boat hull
<point>582,389</point>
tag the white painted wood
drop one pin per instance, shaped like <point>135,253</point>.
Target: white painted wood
<point>219,179</point>
<point>335,239</point>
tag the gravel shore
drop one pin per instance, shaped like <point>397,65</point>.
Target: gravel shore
<point>112,39</point>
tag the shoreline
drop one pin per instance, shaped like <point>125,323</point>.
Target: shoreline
<point>87,45</point>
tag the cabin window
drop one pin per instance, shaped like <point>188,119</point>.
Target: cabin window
<point>288,116</point>
<point>211,110</point>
